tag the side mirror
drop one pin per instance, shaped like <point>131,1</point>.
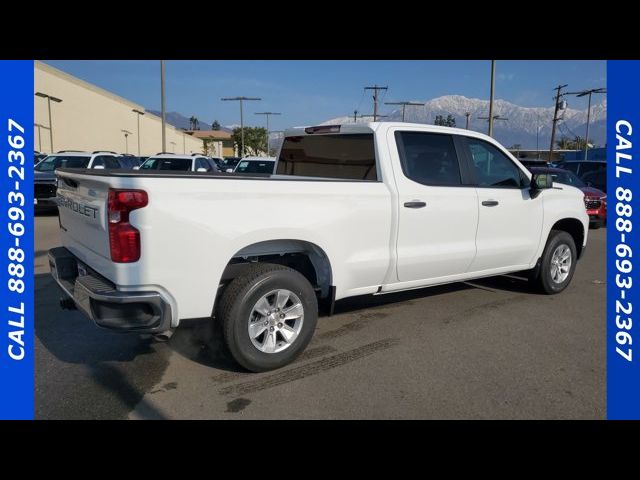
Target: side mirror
<point>229,170</point>
<point>201,169</point>
<point>137,167</point>
<point>99,167</point>
<point>541,181</point>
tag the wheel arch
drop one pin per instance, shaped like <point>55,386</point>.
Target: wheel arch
<point>573,227</point>
<point>304,256</point>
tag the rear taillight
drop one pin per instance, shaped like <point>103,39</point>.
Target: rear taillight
<point>124,239</point>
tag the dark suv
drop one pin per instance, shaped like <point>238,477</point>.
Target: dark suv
<point>593,173</point>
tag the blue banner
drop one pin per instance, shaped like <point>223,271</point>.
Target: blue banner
<point>16,250</point>
<point>623,191</point>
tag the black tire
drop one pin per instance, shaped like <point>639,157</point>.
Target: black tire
<point>544,281</point>
<point>236,306</point>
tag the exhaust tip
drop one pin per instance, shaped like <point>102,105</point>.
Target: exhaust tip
<point>67,303</point>
<point>163,336</point>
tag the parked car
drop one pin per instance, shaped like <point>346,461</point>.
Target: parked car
<point>595,200</point>
<point>255,165</point>
<point>37,157</point>
<point>175,162</point>
<point>591,171</point>
<point>219,162</point>
<point>44,188</point>
<point>228,163</point>
<point>365,209</point>
<point>129,162</point>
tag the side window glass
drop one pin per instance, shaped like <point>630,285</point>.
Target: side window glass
<point>429,158</point>
<point>112,162</point>
<point>492,167</point>
<point>98,162</point>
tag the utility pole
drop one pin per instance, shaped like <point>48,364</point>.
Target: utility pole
<point>268,114</point>
<point>493,75</point>
<point>375,89</point>
<point>139,114</point>
<point>467,114</point>
<point>355,116</point>
<point>537,135</point>
<point>162,103</point>
<point>49,100</point>
<point>241,100</point>
<point>583,94</point>
<point>559,94</point>
<point>404,104</point>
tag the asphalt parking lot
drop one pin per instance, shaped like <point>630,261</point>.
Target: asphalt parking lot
<point>488,349</point>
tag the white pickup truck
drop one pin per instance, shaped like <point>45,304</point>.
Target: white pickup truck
<point>352,209</point>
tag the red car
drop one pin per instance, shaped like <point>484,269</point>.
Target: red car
<point>595,201</point>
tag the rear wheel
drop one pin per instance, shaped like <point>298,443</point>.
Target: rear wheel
<point>268,316</point>
<point>558,263</point>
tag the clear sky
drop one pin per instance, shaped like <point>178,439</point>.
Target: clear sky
<point>312,91</point>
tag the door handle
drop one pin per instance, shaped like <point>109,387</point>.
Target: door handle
<point>415,204</point>
<point>490,203</point>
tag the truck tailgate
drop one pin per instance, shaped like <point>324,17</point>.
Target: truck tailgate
<point>82,203</point>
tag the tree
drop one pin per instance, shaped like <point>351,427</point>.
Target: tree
<point>450,121</point>
<point>196,123</point>
<point>215,125</point>
<point>578,143</point>
<point>255,138</point>
<point>192,122</point>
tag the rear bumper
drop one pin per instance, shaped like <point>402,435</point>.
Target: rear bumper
<point>99,299</point>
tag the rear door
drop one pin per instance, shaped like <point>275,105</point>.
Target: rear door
<point>510,219</point>
<point>438,207</point>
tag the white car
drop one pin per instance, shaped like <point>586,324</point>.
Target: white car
<point>175,162</point>
<point>255,165</point>
<point>44,187</point>
<point>352,209</point>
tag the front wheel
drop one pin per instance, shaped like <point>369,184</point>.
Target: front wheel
<point>558,263</point>
<point>268,315</point>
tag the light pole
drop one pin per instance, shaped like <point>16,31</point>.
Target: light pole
<point>491,117</point>
<point>39,135</point>
<point>126,140</point>
<point>49,100</point>
<point>162,104</point>
<point>582,94</point>
<point>139,114</point>
<point>467,114</point>
<point>404,104</point>
<point>268,114</point>
<point>241,100</point>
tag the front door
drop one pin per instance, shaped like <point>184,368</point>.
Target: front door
<point>510,220</point>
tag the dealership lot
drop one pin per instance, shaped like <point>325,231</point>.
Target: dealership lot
<point>487,349</point>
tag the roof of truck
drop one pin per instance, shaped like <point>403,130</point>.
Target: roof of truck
<point>368,127</point>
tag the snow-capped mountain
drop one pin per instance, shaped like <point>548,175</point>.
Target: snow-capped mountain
<point>519,128</point>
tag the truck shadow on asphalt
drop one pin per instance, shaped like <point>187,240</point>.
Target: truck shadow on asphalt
<point>89,358</point>
<point>121,364</point>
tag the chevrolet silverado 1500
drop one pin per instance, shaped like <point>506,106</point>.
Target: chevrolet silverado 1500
<point>351,210</point>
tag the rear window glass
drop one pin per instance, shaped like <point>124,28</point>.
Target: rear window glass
<point>183,164</point>
<point>348,156</point>
<point>60,161</point>
<point>255,166</point>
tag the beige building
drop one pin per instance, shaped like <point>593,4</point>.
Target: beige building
<point>89,118</point>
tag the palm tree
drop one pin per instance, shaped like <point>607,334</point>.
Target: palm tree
<point>192,122</point>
